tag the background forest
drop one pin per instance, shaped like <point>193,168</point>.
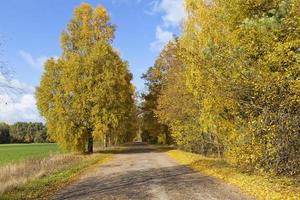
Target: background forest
<point>23,132</point>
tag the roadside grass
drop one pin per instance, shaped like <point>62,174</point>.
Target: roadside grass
<point>10,153</point>
<point>261,186</point>
<point>48,175</point>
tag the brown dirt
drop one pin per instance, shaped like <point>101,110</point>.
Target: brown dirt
<point>142,172</point>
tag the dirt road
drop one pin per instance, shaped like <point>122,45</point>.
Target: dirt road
<point>143,173</point>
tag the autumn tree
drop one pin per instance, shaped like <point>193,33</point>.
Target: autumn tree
<point>86,93</point>
<point>267,91</point>
<point>177,106</point>
<point>153,130</point>
<point>243,69</point>
<point>237,65</point>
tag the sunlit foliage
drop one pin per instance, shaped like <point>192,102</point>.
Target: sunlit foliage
<point>230,84</point>
<point>86,94</point>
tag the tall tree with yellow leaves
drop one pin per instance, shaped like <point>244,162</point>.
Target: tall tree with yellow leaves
<point>86,93</point>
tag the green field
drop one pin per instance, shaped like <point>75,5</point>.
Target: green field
<point>14,152</point>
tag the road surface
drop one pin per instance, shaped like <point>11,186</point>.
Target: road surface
<point>143,173</point>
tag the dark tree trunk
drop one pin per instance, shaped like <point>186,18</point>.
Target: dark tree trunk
<point>167,135</point>
<point>167,138</point>
<point>90,147</point>
<point>105,140</point>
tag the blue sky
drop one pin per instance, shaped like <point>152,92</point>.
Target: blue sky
<point>30,30</point>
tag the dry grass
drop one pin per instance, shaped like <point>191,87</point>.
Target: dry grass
<point>16,174</point>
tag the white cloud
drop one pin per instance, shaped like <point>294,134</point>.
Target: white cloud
<point>173,16</point>
<point>17,102</point>
<point>174,12</point>
<point>15,108</point>
<point>37,62</point>
<point>162,38</point>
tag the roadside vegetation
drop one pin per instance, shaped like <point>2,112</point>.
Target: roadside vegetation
<point>39,178</point>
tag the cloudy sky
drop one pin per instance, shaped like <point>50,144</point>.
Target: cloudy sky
<point>30,30</point>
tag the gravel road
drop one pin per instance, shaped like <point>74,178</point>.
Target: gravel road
<point>143,173</point>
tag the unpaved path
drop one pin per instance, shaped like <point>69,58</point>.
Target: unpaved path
<point>143,173</point>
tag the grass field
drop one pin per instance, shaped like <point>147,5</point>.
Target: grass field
<point>10,153</point>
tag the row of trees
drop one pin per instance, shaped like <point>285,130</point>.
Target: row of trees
<point>86,94</point>
<point>23,132</point>
<point>230,84</point>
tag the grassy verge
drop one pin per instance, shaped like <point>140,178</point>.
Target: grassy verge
<point>260,186</point>
<point>45,186</point>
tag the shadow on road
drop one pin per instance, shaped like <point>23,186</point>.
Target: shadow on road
<point>135,148</point>
<point>135,184</point>
<point>143,172</point>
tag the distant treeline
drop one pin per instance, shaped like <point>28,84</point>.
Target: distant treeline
<point>23,132</point>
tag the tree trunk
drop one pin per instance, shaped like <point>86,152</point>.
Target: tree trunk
<point>90,147</point>
<point>108,138</point>
<point>168,139</point>
<point>105,140</point>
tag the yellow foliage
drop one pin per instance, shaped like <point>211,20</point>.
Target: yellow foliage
<point>86,93</point>
<point>258,185</point>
